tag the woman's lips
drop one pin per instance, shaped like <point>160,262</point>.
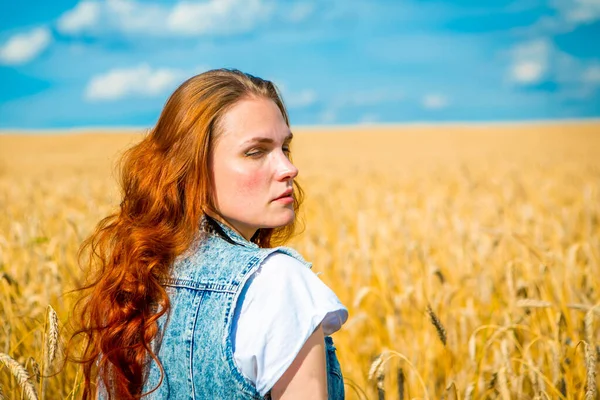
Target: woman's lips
<point>287,193</point>
<point>285,199</point>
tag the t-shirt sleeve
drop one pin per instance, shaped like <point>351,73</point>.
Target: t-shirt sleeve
<point>280,306</point>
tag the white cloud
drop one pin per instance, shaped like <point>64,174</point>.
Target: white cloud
<point>434,101</point>
<point>94,17</point>
<point>138,17</point>
<point>530,61</point>
<point>184,18</point>
<point>24,47</point>
<point>567,15</point>
<point>527,71</point>
<point>304,98</point>
<point>85,15</point>
<point>141,80</point>
<point>580,11</point>
<point>539,61</point>
<point>217,16</point>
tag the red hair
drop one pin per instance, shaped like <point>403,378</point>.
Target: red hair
<point>166,188</point>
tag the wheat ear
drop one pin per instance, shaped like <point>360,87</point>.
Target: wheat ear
<point>35,368</point>
<point>20,375</point>
<point>52,339</point>
<point>441,331</point>
<point>377,366</point>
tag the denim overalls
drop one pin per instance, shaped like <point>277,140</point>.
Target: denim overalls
<point>196,347</point>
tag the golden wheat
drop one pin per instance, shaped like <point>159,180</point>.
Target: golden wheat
<point>441,331</point>
<point>52,335</point>
<point>35,369</point>
<point>20,374</point>
<point>496,229</point>
<point>590,356</point>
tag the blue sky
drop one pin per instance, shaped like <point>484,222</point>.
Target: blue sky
<point>67,63</point>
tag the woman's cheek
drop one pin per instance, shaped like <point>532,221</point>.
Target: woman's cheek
<point>249,182</point>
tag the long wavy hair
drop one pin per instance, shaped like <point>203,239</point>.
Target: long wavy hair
<point>166,189</point>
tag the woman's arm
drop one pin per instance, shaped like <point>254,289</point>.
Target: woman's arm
<point>306,377</point>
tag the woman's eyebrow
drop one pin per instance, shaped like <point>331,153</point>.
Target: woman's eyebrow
<point>259,139</point>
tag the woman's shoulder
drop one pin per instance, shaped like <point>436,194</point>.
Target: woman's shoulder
<point>287,256</point>
<point>283,262</point>
<point>215,260</point>
<point>285,284</point>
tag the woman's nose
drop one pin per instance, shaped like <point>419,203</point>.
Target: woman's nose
<point>286,170</point>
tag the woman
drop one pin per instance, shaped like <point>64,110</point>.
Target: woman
<point>189,296</point>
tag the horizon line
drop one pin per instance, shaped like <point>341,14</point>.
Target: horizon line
<point>466,123</point>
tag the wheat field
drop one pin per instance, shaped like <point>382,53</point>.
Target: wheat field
<point>468,256</point>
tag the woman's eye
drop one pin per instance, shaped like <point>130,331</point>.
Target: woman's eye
<point>259,152</point>
<point>254,153</point>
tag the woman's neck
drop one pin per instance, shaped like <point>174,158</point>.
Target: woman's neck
<point>217,217</point>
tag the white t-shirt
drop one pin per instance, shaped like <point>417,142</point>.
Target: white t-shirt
<point>279,308</point>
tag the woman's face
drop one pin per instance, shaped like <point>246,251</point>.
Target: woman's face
<point>251,170</point>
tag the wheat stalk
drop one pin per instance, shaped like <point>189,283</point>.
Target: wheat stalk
<point>584,307</point>
<point>503,384</point>
<point>441,331</point>
<point>532,303</point>
<point>52,339</point>
<point>401,380</point>
<point>590,356</point>
<point>20,375</point>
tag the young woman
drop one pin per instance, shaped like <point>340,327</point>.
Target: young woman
<point>189,295</point>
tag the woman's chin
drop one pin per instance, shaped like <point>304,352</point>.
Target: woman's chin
<point>285,217</point>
